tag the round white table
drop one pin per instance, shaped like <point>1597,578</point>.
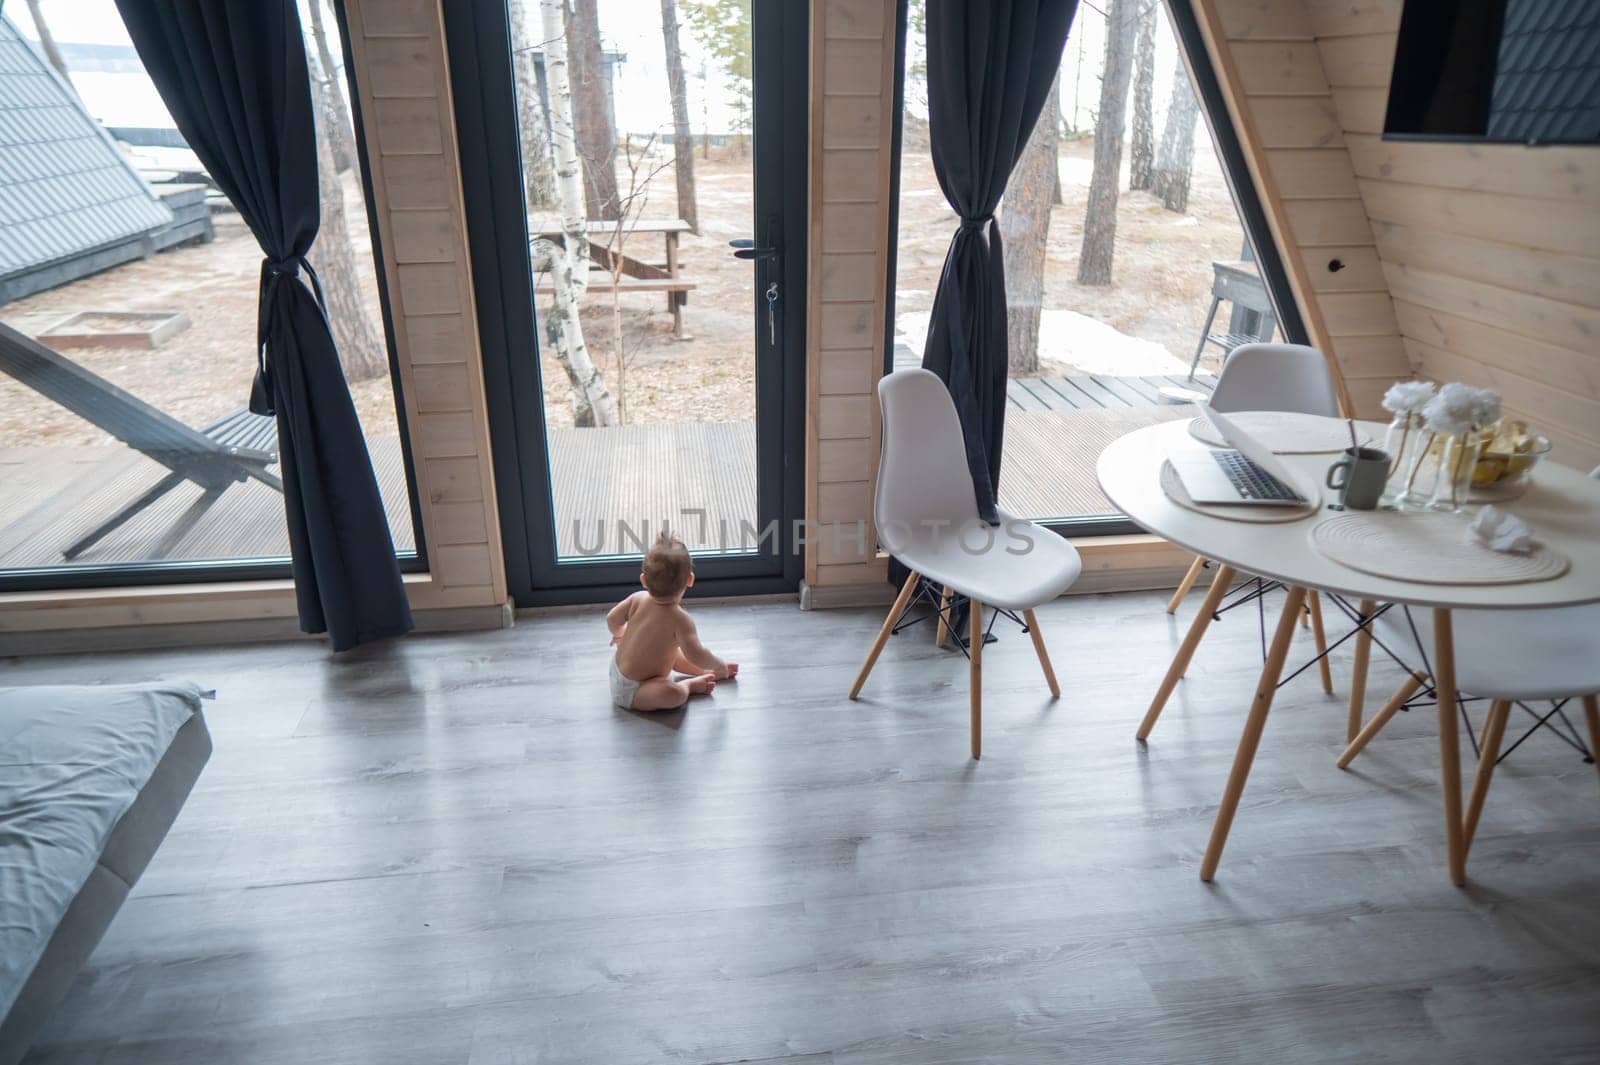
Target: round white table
<point>1562,506</point>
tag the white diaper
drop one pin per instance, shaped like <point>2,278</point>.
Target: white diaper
<point>623,688</point>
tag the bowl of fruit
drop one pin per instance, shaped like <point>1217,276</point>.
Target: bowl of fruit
<point>1506,460</point>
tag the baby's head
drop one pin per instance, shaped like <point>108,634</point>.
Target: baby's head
<point>667,569</point>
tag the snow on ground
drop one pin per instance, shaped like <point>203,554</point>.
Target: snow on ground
<point>1084,344</point>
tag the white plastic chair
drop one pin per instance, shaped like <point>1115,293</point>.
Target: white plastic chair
<point>927,517</point>
<point>1277,377</point>
<point>1281,377</point>
<point>1505,656</point>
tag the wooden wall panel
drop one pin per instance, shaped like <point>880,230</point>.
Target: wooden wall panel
<point>852,99</point>
<point>1276,82</point>
<point>1491,251</point>
<point>403,82</point>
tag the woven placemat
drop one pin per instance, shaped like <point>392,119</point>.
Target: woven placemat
<point>1282,432</point>
<point>1430,548</point>
<point>1172,484</point>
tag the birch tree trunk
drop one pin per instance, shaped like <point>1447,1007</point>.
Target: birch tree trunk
<point>591,401</point>
<point>597,141</point>
<point>538,178</point>
<point>682,138</point>
<point>1100,217</point>
<point>1175,156</point>
<point>1025,235</point>
<point>569,265</point>
<point>1141,145</point>
<point>564,145</point>
<point>362,351</point>
<point>341,132</point>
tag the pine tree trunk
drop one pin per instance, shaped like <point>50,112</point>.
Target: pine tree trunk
<point>1100,217</point>
<point>569,267</point>
<point>533,124</point>
<point>1141,144</point>
<point>682,138</point>
<point>1025,235</point>
<point>362,352</point>
<point>47,41</point>
<point>341,133</point>
<point>597,141</point>
<point>1175,156</point>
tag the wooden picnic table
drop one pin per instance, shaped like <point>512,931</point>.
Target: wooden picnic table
<point>637,274</point>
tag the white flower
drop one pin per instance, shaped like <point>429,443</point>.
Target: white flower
<point>1486,408</point>
<point>1407,397</point>
<point>1453,409</point>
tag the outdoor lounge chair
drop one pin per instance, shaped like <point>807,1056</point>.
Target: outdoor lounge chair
<point>235,448</point>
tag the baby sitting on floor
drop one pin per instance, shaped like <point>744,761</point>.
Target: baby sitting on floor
<point>655,637</point>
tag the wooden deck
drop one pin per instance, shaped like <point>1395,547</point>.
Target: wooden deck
<point>51,496</point>
<point>612,487</point>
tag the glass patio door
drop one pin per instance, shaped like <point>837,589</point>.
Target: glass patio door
<point>654,358</point>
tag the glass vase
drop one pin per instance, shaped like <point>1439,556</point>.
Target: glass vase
<point>1456,463</point>
<point>1404,444</point>
<point>1416,477</point>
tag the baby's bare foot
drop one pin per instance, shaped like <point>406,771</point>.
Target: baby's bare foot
<point>731,671</point>
<point>702,684</point>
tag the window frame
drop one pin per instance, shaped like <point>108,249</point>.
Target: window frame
<point>1235,171</point>
<point>154,573</point>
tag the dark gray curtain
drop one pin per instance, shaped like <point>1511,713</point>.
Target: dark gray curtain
<point>233,75</point>
<point>989,69</point>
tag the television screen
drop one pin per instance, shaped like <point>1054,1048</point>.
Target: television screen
<point>1521,71</point>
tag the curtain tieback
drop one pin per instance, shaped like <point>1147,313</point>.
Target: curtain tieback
<point>970,224</point>
<point>274,271</point>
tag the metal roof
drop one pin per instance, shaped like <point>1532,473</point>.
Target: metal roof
<point>1547,80</point>
<point>65,187</point>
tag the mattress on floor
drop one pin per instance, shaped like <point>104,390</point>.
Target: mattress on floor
<point>72,762</point>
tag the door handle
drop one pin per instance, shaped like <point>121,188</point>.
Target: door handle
<point>745,248</point>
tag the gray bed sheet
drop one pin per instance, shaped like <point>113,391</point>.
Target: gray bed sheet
<point>72,762</point>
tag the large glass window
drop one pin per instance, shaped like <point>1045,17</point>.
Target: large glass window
<point>125,443</point>
<point>1129,272</point>
<point>648,349</point>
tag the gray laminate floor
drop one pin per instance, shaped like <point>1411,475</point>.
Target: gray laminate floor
<point>450,850</point>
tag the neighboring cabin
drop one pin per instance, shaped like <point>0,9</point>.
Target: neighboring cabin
<point>71,202</point>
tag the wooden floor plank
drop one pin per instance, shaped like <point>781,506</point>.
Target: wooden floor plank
<point>450,850</point>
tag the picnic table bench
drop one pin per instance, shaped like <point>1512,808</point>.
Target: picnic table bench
<point>636,274</point>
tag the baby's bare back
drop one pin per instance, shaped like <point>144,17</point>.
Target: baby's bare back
<point>650,642</point>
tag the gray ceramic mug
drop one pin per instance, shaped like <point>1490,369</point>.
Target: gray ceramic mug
<point>1365,472</point>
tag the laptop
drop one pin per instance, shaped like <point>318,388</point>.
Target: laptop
<point>1248,474</point>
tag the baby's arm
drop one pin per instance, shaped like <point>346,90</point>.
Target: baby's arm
<point>617,617</point>
<point>695,651</point>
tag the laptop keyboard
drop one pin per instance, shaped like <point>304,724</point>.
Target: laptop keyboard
<point>1251,480</point>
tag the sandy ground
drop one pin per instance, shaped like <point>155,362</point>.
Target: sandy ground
<point>202,373</point>
<point>1163,279</point>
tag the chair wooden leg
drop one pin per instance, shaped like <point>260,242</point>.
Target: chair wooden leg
<point>975,672</point>
<point>1320,639</point>
<point>1494,731</point>
<point>1591,710</point>
<point>1444,686</point>
<point>1396,702</point>
<point>1184,585</point>
<point>1044,656</point>
<point>1266,688</point>
<point>1180,661</point>
<point>1358,674</point>
<point>895,611</point>
<point>942,632</point>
